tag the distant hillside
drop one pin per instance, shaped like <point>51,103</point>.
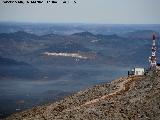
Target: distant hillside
<point>106,49</point>
<point>84,34</point>
<point>7,61</point>
<point>19,35</point>
<point>10,68</point>
<point>134,98</point>
<point>141,34</point>
<point>71,28</point>
<point>68,47</point>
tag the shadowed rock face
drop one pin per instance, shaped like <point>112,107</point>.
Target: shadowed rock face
<point>125,99</point>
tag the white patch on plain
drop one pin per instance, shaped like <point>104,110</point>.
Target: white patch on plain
<point>73,55</point>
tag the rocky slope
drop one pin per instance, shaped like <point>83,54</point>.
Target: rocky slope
<point>127,98</point>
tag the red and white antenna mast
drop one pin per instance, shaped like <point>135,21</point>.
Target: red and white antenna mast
<point>153,59</point>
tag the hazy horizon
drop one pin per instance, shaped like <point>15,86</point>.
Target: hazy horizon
<point>29,22</point>
<point>84,11</point>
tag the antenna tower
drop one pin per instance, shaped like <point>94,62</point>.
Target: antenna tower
<point>153,58</point>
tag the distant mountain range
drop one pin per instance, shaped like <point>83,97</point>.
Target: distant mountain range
<point>141,34</point>
<point>19,35</point>
<point>127,49</point>
<point>68,29</point>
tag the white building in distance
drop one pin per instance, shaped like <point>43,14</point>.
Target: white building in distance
<point>136,71</point>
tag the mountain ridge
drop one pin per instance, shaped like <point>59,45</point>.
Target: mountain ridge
<point>124,98</point>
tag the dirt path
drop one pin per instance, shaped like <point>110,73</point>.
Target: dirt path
<point>123,86</point>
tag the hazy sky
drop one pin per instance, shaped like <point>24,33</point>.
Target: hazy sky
<point>85,11</point>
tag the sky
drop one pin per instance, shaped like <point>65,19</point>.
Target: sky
<point>84,11</point>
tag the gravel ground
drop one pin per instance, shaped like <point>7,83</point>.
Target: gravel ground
<point>122,99</point>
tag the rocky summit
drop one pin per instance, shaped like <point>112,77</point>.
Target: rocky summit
<point>127,98</point>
